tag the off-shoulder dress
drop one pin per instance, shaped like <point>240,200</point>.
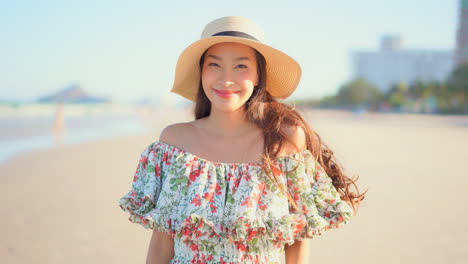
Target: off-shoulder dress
<point>231,212</point>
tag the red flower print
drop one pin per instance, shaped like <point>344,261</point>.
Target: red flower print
<point>135,178</point>
<point>158,170</point>
<point>218,189</point>
<point>237,182</point>
<point>297,197</point>
<point>194,174</point>
<point>194,247</point>
<point>256,197</point>
<point>188,163</point>
<point>247,202</point>
<point>144,161</point>
<point>209,196</point>
<point>275,170</point>
<point>187,241</point>
<point>241,247</point>
<point>214,209</point>
<point>262,188</point>
<point>246,177</point>
<point>252,234</point>
<point>166,158</point>
<point>187,232</point>
<point>201,224</point>
<point>197,200</point>
<point>340,219</point>
<point>299,227</point>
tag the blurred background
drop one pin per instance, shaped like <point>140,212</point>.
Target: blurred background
<point>84,88</point>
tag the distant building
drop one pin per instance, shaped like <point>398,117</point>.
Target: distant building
<point>462,34</point>
<point>393,64</point>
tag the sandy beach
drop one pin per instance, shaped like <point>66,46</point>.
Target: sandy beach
<point>60,205</point>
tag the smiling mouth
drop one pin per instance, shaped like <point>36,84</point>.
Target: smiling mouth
<point>224,93</point>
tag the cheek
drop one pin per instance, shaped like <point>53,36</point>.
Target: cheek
<point>207,78</point>
<point>248,77</point>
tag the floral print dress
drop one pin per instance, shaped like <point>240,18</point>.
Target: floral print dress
<point>231,212</point>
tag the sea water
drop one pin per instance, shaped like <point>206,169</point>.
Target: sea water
<point>78,130</point>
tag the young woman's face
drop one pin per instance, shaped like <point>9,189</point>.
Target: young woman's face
<point>229,74</point>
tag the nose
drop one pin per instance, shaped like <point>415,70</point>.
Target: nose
<point>226,79</point>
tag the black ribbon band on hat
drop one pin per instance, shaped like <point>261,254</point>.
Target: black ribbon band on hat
<point>235,34</point>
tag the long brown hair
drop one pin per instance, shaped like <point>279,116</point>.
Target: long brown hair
<point>271,116</point>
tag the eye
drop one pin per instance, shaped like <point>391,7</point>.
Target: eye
<point>213,64</point>
<point>242,66</point>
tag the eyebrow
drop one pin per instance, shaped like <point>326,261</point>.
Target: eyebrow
<point>219,58</point>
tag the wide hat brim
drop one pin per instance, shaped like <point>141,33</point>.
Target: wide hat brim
<point>283,72</point>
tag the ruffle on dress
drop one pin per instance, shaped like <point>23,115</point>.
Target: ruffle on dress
<point>175,191</point>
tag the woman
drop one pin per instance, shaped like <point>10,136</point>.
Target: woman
<point>248,178</point>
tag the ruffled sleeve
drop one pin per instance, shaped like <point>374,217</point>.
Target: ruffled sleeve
<point>314,193</point>
<point>144,201</point>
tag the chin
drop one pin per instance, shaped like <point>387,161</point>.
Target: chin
<point>227,106</point>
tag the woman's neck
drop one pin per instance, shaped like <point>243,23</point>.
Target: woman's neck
<point>227,124</point>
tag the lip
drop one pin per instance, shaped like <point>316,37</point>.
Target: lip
<point>225,93</point>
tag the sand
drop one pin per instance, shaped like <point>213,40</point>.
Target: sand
<point>61,205</point>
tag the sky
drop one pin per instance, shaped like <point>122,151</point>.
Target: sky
<point>128,50</point>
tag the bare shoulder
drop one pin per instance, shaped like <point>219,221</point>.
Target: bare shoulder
<point>175,134</point>
<point>296,139</point>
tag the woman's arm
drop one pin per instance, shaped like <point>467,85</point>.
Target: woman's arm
<point>298,253</point>
<point>161,248</point>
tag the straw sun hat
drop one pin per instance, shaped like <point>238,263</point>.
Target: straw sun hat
<point>283,72</point>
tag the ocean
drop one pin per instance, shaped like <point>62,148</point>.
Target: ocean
<point>25,132</point>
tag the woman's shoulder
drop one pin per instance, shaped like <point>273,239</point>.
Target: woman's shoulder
<point>178,134</point>
<point>295,139</point>
<point>175,134</point>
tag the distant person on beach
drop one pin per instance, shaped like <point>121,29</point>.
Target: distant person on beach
<point>59,129</point>
<point>248,179</point>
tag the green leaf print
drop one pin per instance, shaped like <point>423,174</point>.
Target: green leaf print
<point>182,171</point>
<point>184,180</point>
<point>184,190</point>
<point>255,240</point>
<point>321,195</point>
<point>172,171</point>
<point>210,249</point>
